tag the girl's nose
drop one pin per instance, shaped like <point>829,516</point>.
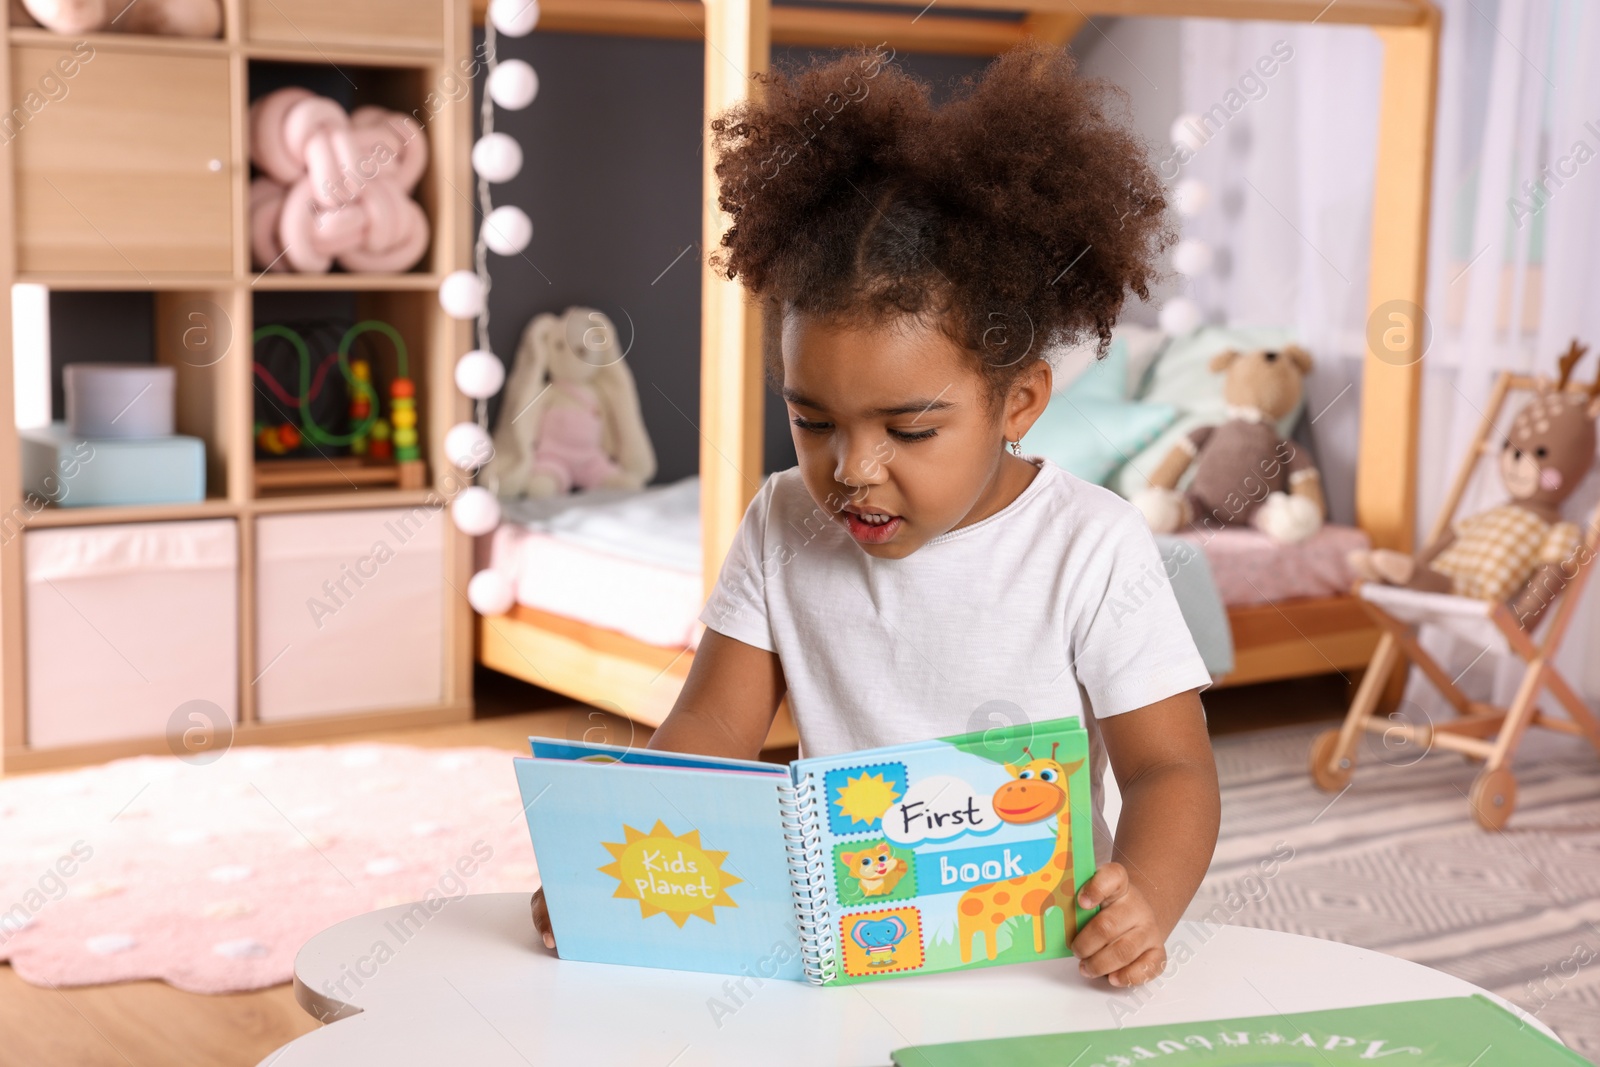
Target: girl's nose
<point>858,466</point>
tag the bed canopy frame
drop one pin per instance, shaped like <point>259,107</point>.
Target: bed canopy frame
<point>1272,641</point>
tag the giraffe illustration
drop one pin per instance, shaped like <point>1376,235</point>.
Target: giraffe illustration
<point>1037,790</point>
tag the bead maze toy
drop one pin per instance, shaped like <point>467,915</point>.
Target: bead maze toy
<point>373,451</point>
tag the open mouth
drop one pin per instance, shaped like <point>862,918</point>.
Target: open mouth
<point>1036,811</point>
<point>874,527</point>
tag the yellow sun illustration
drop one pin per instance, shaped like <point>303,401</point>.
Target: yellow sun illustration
<point>865,798</point>
<point>671,874</point>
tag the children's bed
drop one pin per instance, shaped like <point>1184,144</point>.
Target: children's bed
<point>629,564</point>
<point>614,628</point>
<point>617,560</point>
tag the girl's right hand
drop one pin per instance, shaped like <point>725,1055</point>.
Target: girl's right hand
<point>541,919</point>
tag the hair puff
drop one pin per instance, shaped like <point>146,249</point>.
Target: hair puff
<point>1017,215</point>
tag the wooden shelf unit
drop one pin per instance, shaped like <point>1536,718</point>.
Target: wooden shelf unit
<point>137,180</point>
<point>1274,641</point>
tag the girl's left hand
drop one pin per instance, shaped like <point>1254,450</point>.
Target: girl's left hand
<point>1123,940</point>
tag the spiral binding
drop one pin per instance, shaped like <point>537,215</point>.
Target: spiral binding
<point>808,879</point>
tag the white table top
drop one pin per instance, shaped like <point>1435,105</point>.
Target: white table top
<point>471,984</point>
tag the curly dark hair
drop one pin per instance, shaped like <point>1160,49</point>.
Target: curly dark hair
<point>1018,214</point>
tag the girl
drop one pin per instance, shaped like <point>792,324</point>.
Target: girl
<point>911,577</point>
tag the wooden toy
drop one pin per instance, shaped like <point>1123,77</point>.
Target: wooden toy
<point>1525,620</point>
<point>387,449</point>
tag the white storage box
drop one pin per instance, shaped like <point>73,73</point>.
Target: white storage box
<point>119,399</point>
<point>127,622</point>
<point>349,610</point>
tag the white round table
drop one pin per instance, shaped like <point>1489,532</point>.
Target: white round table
<point>470,984</point>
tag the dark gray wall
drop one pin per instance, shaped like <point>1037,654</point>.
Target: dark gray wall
<point>97,328</point>
<point>611,179</point>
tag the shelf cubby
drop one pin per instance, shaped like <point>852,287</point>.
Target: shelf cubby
<point>323,317</point>
<point>187,330</point>
<point>410,91</point>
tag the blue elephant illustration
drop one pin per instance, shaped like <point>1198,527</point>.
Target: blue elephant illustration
<point>878,936</point>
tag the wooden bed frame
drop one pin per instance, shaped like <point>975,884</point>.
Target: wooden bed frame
<point>1273,641</point>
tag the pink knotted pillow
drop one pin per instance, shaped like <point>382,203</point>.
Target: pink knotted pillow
<point>335,187</point>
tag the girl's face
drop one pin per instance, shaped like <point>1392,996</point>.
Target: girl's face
<point>895,439</point>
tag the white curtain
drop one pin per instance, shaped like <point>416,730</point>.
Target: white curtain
<point>1290,206</point>
<point>1513,257</point>
<point>1514,254</point>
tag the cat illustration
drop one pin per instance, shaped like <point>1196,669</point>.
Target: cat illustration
<point>877,869</point>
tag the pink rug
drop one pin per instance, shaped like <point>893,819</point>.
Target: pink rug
<point>210,877</point>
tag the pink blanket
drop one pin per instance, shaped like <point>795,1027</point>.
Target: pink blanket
<point>1251,568</point>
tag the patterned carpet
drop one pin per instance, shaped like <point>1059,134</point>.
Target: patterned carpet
<point>211,875</point>
<point>1397,864</point>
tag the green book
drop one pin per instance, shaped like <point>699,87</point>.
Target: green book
<point>1452,1032</point>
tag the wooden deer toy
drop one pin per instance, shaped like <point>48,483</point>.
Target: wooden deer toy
<point>1521,552</point>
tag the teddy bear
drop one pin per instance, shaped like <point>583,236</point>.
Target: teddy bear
<point>1521,551</point>
<point>171,18</point>
<point>1244,473</point>
<point>570,418</point>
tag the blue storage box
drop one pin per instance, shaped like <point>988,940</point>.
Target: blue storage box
<point>73,472</point>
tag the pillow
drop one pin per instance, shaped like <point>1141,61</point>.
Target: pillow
<point>1090,428</point>
<point>1141,345</point>
<point>1182,378</point>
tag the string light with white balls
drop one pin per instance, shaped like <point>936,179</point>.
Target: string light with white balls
<point>464,294</point>
<point>1191,256</point>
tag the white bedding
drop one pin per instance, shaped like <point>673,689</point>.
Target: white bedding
<point>659,525</point>
<point>630,561</point>
<point>621,560</point>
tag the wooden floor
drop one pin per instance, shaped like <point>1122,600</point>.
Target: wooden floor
<point>134,1024</point>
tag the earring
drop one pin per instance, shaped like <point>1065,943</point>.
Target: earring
<point>1016,447</point>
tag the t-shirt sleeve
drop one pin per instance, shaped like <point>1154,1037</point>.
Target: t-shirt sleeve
<point>737,606</point>
<point>1131,646</point>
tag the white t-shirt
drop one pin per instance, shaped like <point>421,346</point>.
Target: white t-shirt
<point>1055,605</point>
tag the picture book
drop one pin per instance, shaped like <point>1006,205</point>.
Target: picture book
<point>953,853</point>
<point>1449,1032</point>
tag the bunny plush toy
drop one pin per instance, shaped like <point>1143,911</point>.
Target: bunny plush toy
<point>571,417</point>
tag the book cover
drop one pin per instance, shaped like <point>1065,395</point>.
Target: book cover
<point>656,865</point>
<point>962,852</point>
<point>947,854</point>
<point>1449,1032</point>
